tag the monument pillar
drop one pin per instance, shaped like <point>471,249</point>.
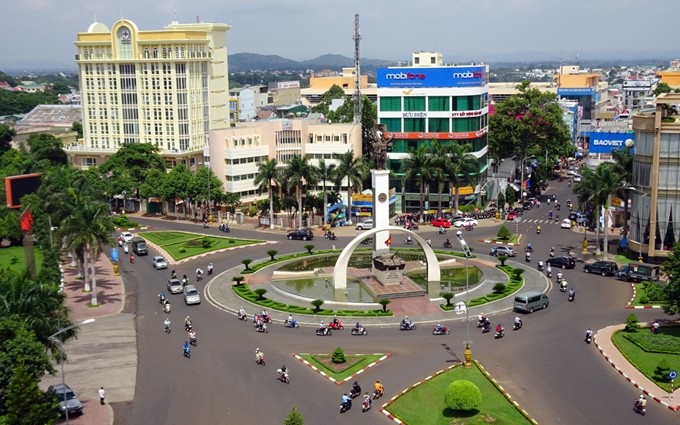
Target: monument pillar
<point>380,180</point>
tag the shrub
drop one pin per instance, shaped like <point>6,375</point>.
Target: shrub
<point>260,293</point>
<point>206,243</point>
<point>502,259</point>
<point>338,356</point>
<point>182,250</point>
<point>294,417</point>
<point>499,288</point>
<point>518,273</point>
<point>662,370</point>
<point>317,304</point>
<point>644,299</point>
<point>654,292</point>
<point>309,248</point>
<point>632,323</point>
<point>501,200</point>
<point>231,241</point>
<point>463,395</point>
<point>272,253</point>
<point>384,302</point>
<point>447,296</point>
<point>504,233</point>
<point>124,222</point>
<point>238,280</point>
<point>246,262</point>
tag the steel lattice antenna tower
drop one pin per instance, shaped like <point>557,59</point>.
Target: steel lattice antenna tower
<point>357,73</point>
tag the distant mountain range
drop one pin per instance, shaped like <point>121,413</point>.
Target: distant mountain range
<point>241,62</point>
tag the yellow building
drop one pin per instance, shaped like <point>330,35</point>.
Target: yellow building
<point>670,77</point>
<point>166,87</point>
<point>345,80</point>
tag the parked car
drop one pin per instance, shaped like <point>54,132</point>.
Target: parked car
<point>301,234</point>
<point>503,250</point>
<point>467,221</point>
<point>566,224</point>
<point>512,215</point>
<point>574,215</point>
<point>175,286</point>
<point>127,236</point>
<point>563,262</point>
<point>605,268</point>
<point>68,400</point>
<point>159,263</point>
<point>191,295</point>
<point>364,225</point>
<point>639,272</point>
<point>440,222</point>
<point>577,178</point>
<point>527,205</point>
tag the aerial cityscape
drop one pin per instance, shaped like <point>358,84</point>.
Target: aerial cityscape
<point>203,225</point>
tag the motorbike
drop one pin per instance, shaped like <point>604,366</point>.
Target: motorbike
<point>185,281</point>
<point>262,328</point>
<point>517,325</point>
<point>168,329</point>
<point>335,325</point>
<point>486,327</point>
<point>378,393</point>
<point>443,331</point>
<point>552,253</point>
<point>187,352</point>
<point>291,323</point>
<point>355,391</point>
<point>540,266</point>
<point>199,277</point>
<point>481,322</point>
<point>589,337</point>
<point>538,230</point>
<point>563,285</point>
<point>441,231</point>
<point>283,376</point>
<point>193,341</point>
<point>210,272</point>
<point>500,334</point>
<point>331,236</point>
<point>407,326</point>
<point>166,306</point>
<point>242,316</point>
<point>359,331</point>
<point>224,228</point>
<point>527,257</point>
<point>162,298</point>
<point>324,332</point>
<point>366,405</point>
<point>263,318</point>
<point>367,241</point>
<point>571,296</point>
<point>549,274</point>
<point>173,275</point>
<point>345,406</point>
<point>447,245</point>
<point>639,407</point>
<point>408,241</point>
<point>188,327</point>
<point>260,359</point>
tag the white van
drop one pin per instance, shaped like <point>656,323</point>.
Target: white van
<point>529,301</point>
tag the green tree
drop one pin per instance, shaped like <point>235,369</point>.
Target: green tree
<point>369,116</point>
<point>301,174</point>
<point>335,92</point>
<point>418,167</point>
<point>463,395</point>
<point>461,166</point>
<point>384,302</point>
<point>26,403</point>
<point>232,200</point>
<point>447,296</point>
<point>317,305</point>
<point>595,188</point>
<point>77,126</point>
<point>338,356</point>
<point>154,184</point>
<point>268,176</point>
<point>662,370</point>
<point>204,185</point>
<point>246,262</point>
<point>502,259</point>
<point>527,123</point>
<point>325,172</point>
<point>294,417</point>
<point>662,88</point>
<point>672,287</point>
<point>510,196</point>
<point>47,149</point>
<point>176,185</point>
<point>632,323</point>
<point>500,202</point>
<point>131,163</point>
<point>6,136</point>
<point>354,170</point>
<point>504,233</point>
<point>623,167</point>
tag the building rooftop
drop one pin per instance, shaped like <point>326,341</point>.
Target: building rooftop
<point>52,116</point>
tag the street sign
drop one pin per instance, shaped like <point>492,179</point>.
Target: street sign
<point>673,374</point>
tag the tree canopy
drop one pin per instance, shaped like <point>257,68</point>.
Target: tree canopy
<point>672,289</point>
<point>129,166</point>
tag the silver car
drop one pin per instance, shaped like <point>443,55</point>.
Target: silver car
<point>175,286</point>
<point>191,295</point>
<point>368,224</point>
<point>159,263</point>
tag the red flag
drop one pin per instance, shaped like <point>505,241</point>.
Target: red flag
<point>26,220</point>
<point>388,242</point>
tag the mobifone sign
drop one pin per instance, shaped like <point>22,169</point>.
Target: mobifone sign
<point>453,76</point>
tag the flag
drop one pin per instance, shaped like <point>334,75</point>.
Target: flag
<point>388,242</point>
<point>26,220</point>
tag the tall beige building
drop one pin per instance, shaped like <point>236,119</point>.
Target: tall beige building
<point>167,87</point>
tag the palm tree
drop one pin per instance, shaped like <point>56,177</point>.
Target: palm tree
<point>438,152</point>
<point>88,228</point>
<point>355,170</point>
<point>460,166</point>
<point>267,176</point>
<point>419,167</point>
<point>623,167</point>
<point>595,188</point>
<point>325,172</point>
<point>300,174</point>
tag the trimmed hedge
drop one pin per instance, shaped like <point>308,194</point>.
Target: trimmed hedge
<point>513,286</point>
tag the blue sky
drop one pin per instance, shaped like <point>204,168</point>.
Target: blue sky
<point>391,29</point>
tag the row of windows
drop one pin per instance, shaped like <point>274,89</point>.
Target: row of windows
<point>248,141</point>
<point>404,146</point>
<point>433,125</point>
<point>240,177</point>
<point>434,103</point>
<point>249,160</point>
<point>337,138</point>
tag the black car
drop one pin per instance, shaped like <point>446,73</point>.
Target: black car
<point>605,268</point>
<point>527,205</point>
<point>301,234</point>
<point>563,262</point>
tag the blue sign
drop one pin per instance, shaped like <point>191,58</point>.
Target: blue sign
<point>114,255</point>
<point>605,141</point>
<point>673,374</point>
<point>575,91</point>
<point>458,76</point>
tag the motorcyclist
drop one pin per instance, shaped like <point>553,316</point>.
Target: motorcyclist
<point>346,400</point>
<point>185,279</point>
<point>210,268</point>
<point>481,319</point>
<point>529,247</point>
<point>439,327</point>
<point>552,251</point>
<point>192,336</point>
<point>569,183</point>
<point>186,348</point>
<point>538,229</point>
<point>641,404</point>
<point>291,321</point>
<point>408,240</point>
<point>560,276</point>
<point>589,334</point>
<point>167,324</point>
<point>336,322</point>
<point>199,274</point>
<point>406,322</point>
<point>499,329</point>
<point>367,400</point>
<point>518,322</point>
<point>241,312</point>
<point>358,327</point>
<point>173,274</point>
<point>563,284</point>
<point>548,270</point>
<point>572,293</point>
<point>161,297</point>
<point>322,327</point>
<point>187,322</point>
<point>447,242</point>
<point>356,388</point>
<point>429,242</point>
<point>441,230</point>
<point>550,215</point>
<point>378,388</point>
<point>540,265</point>
<point>528,256</point>
<point>259,356</point>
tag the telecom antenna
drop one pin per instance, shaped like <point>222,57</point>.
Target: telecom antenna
<point>357,73</point>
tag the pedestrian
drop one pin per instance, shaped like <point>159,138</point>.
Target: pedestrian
<point>102,394</point>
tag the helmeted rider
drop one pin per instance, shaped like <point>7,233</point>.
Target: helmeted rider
<point>518,321</point>
<point>447,242</point>
<point>356,388</point>
<point>335,320</point>
<point>439,327</point>
<point>242,312</point>
<point>560,276</point>
<point>346,400</point>
<point>210,268</point>
<point>358,326</point>
<point>499,328</point>
<point>186,347</point>
<point>572,293</point>
<point>406,322</point>
<point>167,323</point>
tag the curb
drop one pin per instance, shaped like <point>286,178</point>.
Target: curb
<point>638,307</point>
<point>497,243</point>
<point>349,378</point>
<point>635,384</point>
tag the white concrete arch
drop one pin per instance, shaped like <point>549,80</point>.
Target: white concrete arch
<point>340,270</point>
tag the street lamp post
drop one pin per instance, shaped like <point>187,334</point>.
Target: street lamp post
<point>466,251</point>
<point>54,339</point>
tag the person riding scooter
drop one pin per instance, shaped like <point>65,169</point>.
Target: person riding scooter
<point>552,251</point>
<point>442,230</point>
<point>540,265</point>
<point>538,230</point>
<point>210,269</point>
<point>447,243</point>
<point>528,257</point>
<point>408,241</point>
<point>518,322</point>
<point>572,294</point>
<point>548,271</point>
<point>560,276</point>
<point>356,390</point>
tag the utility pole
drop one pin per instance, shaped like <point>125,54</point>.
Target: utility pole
<point>357,72</point>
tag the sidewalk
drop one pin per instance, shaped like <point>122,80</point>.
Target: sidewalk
<point>93,359</point>
<point>603,341</point>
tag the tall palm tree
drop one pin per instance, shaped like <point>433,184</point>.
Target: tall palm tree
<point>325,172</point>
<point>461,166</point>
<point>419,167</point>
<point>355,170</point>
<point>267,176</point>
<point>623,166</point>
<point>301,174</point>
<point>595,188</point>
<point>88,228</point>
<point>439,170</point>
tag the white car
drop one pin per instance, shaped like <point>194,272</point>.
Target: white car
<point>368,224</point>
<point>566,224</point>
<point>572,173</point>
<point>577,178</point>
<point>127,237</point>
<point>191,295</point>
<point>465,222</point>
<point>159,263</point>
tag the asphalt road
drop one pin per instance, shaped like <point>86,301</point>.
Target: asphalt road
<point>545,366</point>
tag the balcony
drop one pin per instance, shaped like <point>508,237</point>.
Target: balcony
<point>644,122</point>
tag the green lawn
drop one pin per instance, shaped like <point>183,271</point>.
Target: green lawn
<point>355,362</point>
<point>646,361</point>
<point>640,293</point>
<point>453,276</point>
<point>13,258</point>
<point>174,242</point>
<point>424,404</point>
<point>622,259</point>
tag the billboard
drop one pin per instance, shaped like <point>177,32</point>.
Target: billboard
<point>459,76</point>
<point>606,141</point>
<point>18,186</point>
<point>575,91</point>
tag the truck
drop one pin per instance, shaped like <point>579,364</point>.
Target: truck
<point>639,272</point>
<point>139,246</point>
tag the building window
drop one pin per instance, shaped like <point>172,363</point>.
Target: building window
<point>467,103</point>
<point>392,124</point>
<point>414,125</point>
<point>414,104</point>
<point>437,125</point>
<point>390,104</point>
<point>438,103</point>
<point>89,162</point>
